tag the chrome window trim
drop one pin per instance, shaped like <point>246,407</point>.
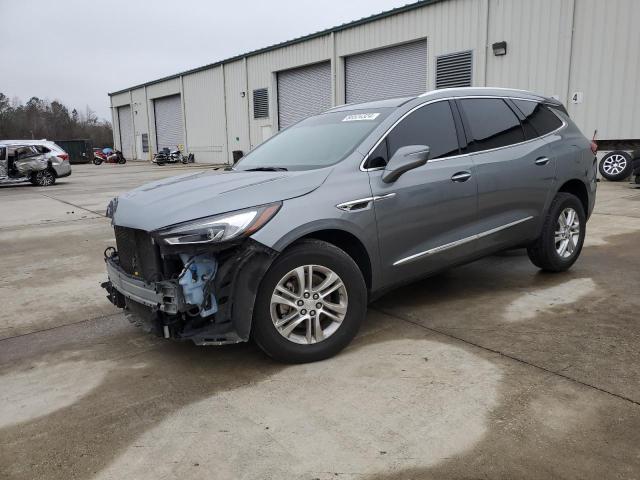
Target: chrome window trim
<point>386,133</point>
<point>462,241</point>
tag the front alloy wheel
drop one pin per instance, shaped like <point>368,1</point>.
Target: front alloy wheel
<point>309,304</point>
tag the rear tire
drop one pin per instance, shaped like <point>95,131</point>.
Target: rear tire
<point>43,178</point>
<point>616,166</point>
<point>325,335</point>
<point>560,242</point>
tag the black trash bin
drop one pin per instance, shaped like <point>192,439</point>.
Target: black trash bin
<point>237,155</point>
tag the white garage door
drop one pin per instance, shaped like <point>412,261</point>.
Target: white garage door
<point>168,113</point>
<point>126,131</point>
<point>303,92</point>
<point>398,71</point>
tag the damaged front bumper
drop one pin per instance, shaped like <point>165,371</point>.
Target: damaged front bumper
<point>210,302</point>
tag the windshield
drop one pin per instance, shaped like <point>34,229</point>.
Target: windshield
<point>316,142</point>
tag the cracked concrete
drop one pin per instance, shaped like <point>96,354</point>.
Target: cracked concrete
<point>491,370</point>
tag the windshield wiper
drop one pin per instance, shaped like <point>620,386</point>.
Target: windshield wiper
<point>266,169</point>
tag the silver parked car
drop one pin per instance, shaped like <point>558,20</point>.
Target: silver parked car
<point>38,161</point>
<point>289,246</point>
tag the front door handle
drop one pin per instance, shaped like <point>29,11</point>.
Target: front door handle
<point>542,160</point>
<point>461,176</point>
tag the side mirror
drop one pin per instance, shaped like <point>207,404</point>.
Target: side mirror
<point>405,159</point>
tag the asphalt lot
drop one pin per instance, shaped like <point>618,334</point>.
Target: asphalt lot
<point>492,370</point>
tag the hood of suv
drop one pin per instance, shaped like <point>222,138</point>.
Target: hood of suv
<point>202,194</point>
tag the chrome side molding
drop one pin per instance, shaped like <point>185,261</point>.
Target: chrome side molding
<point>462,241</point>
<point>362,203</point>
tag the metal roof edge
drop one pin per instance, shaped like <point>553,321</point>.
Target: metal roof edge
<point>345,26</point>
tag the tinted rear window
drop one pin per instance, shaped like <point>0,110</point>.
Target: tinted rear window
<point>539,119</point>
<point>431,125</point>
<point>493,124</point>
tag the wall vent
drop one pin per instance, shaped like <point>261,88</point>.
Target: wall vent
<point>261,103</point>
<point>454,70</point>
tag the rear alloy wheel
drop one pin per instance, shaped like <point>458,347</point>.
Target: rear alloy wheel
<point>43,178</point>
<point>310,303</point>
<point>616,166</point>
<point>562,236</point>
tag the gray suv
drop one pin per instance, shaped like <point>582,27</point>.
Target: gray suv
<point>289,246</point>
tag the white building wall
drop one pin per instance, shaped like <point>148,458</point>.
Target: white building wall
<point>605,68</point>
<point>555,47</point>
<point>262,71</point>
<point>140,121</point>
<point>538,36</point>
<point>449,26</point>
<point>237,107</point>
<point>204,110</point>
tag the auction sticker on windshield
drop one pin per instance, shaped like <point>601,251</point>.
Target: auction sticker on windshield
<point>360,116</point>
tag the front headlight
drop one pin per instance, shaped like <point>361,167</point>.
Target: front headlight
<point>220,228</point>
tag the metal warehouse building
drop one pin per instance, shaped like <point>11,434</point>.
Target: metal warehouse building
<point>586,53</point>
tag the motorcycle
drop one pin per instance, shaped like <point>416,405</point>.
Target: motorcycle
<point>115,157</point>
<point>176,156</point>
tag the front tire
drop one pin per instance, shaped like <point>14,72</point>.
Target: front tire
<point>560,242</point>
<point>310,303</point>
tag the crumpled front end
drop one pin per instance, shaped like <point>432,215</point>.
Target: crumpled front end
<point>201,293</point>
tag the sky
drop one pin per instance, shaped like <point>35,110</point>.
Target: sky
<point>76,51</point>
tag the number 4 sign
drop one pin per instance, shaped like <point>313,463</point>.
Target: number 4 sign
<point>577,97</point>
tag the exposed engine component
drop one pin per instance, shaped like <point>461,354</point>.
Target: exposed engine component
<point>196,281</point>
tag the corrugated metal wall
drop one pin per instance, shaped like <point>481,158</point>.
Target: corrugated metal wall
<point>237,107</point>
<point>538,36</point>
<point>205,120</point>
<point>140,121</point>
<point>605,68</point>
<point>555,47</point>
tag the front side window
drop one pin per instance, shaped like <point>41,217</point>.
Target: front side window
<point>316,142</point>
<point>493,124</point>
<point>538,118</point>
<point>431,125</point>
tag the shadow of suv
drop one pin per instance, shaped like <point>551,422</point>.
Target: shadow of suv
<point>289,246</point>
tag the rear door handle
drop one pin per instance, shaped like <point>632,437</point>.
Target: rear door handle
<point>461,176</point>
<point>542,160</point>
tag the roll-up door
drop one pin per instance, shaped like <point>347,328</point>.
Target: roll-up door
<point>126,131</point>
<point>168,114</point>
<point>303,92</point>
<point>398,71</point>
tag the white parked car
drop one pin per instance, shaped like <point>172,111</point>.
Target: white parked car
<point>41,162</point>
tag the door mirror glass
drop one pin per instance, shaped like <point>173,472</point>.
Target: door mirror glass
<point>405,159</point>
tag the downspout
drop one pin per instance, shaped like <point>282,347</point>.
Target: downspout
<point>226,121</point>
<point>334,66</point>
<point>184,114</point>
<point>486,45</point>
<point>246,89</point>
<point>133,124</point>
<point>573,22</point>
<point>146,112</point>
